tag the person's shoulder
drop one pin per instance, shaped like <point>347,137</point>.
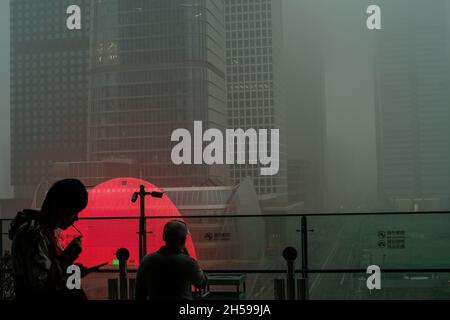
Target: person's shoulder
<point>26,224</point>
<point>188,259</point>
<point>30,231</point>
<point>150,257</point>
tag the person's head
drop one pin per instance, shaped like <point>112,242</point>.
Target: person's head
<point>63,203</point>
<point>175,233</point>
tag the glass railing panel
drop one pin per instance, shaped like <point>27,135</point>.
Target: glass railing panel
<point>389,241</point>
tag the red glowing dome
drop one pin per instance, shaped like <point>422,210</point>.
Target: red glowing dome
<point>102,238</point>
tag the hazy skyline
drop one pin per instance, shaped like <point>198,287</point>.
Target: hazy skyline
<point>326,41</point>
<point>347,93</point>
<point>350,100</point>
<point>5,189</point>
<point>346,108</point>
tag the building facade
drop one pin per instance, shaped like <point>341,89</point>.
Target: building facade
<point>254,84</point>
<point>49,94</point>
<point>156,66</point>
<point>413,114</point>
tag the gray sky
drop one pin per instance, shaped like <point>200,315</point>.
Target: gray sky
<point>4,100</point>
<point>351,146</point>
<point>347,93</point>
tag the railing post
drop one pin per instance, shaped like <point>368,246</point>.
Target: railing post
<point>131,288</point>
<point>123,255</point>
<point>301,289</point>
<point>304,232</point>
<point>113,288</point>
<point>1,238</point>
<point>279,289</point>
<point>290,254</point>
<point>2,275</point>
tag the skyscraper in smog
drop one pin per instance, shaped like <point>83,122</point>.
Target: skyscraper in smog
<point>254,84</point>
<point>49,94</point>
<point>156,66</point>
<point>413,114</point>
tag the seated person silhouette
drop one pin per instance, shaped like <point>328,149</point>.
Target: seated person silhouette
<point>169,273</point>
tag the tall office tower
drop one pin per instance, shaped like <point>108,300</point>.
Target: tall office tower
<point>49,94</point>
<point>157,66</point>
<point>305,102</point>
<point>413,112</point>
<point>254,88</point>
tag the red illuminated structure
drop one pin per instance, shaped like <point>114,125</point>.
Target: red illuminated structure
<point>111,200</point>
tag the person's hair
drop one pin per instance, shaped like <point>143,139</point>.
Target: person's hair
<point>175,232</point>
<point>65,194</point>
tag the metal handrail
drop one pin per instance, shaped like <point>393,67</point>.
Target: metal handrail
<point>298,215</point>
<point>304,271</point>
<point>313,271</point>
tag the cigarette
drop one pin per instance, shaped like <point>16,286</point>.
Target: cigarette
<point>77,229</point>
